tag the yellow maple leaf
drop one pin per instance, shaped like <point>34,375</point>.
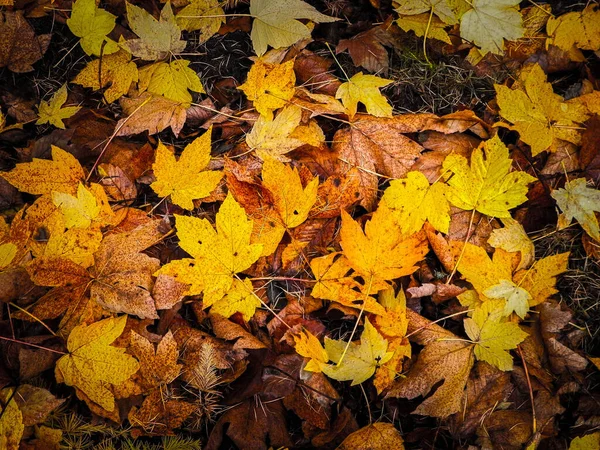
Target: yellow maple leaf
<point>578,200</point>
<point>76,244</point>
<point>240,298</point>
<point>52,111</point>
<point>157,38</point>
<point>92,24</point>
<point>8,251</point>
<point>587,442</point>
<point>487,185</point>
<point>360,360</point>
<point>425,26</point>
<point>381,252</point>
<point>89,206</point>
<point>447,10</point>
<point>308,345</point>
<point>275,138</point>
<point>185,179</point>
<point>218,254</point>
<point>92,363</point>
<point>490,22</point>
<point>579,29</point>
<point>275,23</point>
<point>517,299</point>
<point>207,16</point>
<point>172,80</point>
<point>117,72</point>
<point>540,116</point>
<point>493,337</point>
<point>413,201</point>
<point>513,238</point>
<point>41,176</point>
<point>540,279</point>
<point>11,420</point>
<point>378,435</point>
<point>292,201</point>
<point>269,86</point>
<point>365,89</point>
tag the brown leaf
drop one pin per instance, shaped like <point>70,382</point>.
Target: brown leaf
<point>118,186</point>
<point>158,367</point>
<point>377,436</point>
<point>167,291</point>
<point>150,113</point>
<point>160,416</point>
<point>230,331</point>
<point>35,403</point>
<point>20,47</point>
<point>505,429</point>
<point>313,72</point>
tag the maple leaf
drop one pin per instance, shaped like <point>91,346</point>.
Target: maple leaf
<point>275,138</point>
<point>586,442</point>
<point>157,38</point>
<point>218,254</point>
<point>413,201</point>
<point>292,201</point>
<point>361,360</point>
<point>157,367</point>
<point>540,116</point>
<point>513,238</point>
<point>269,86</point>
<point>580,29</point>
<point>490,22</point>
<point>11,421</point>
<point>151,113</point>
<point>425,26</point>
<point>445,357</point>
<point>92,363</point>
<point>540,279</point>
<point>239,299</point>
<point>493,336</point>
<point>365,89</point>
<point>117,71</point>
<point>308,345</point>
<point>20,46</point>
<point>275,23</point>
<point>378,435</point>
<point>52,111</point>
<point>447,10</point>
<point>487,185</point>
<point>77,245</point>
<point>8,251</point>
<point>381,252</point>
<point>89,206</point>
<point>92,24</point>
<point>577,200</point>
<point>185,179</point>
<point>517,298</point>
<point>202,15</point>
<point>40,176</point>
<point>367,48</point>
<point>172,80</point>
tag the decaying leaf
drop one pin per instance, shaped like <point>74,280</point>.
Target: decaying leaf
<point>20,47</point>
<point>152,113</point>
<point>376,436</point>
<point>578,200</point>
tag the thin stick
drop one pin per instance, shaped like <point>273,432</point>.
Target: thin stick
<point>16,341</point>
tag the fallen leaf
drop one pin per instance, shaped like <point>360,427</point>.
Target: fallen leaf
<point>517,298</point>
<point>172,80</point>
<point>447,10</point>
<point>275,23</point>
<point>202,15</point>
<point>35,403</point>
<point>157,367</point>
<point>580,29</point>
<point>513,238</point>
<point>116,71</point>
<point>157,38</point>
<point>92,363</point>
<point>92,24</point>
<point>152,113</point>
<point>540,279</point>
<point>239,299</point>
<point>11,421</point>
<point>365,89</point>
<point>577,200</point>
<point>52,111</point>
<point>185,179</point>
<point>367,48</point>
<point>425,26</point>
<point>487,185</point>
<point>308,345</point>
<point>376,436</point>
<point>20,46</point>
<point>90,206</point>
<point>159,415</point>
<point>360,360</point>
<point>586,442</point>
<point>269,86</point>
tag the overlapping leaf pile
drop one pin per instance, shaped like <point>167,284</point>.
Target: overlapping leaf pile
<point>232,280</point>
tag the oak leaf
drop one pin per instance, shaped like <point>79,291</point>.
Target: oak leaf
<point>92,24</point>
<point>580,29</point>
<point>578,200</point>
<point>275,23</point>
<point>92,363</point>
<point>539,115</point>
<point>157,38</point>
<point>308,345</point>
<point>292,201</point>
<point>376,436</point>
<point>269,86</point>
<point>365,89</point>
<point>61,174</point>
<point>52,111</point>
<point>116,71</point>
<point>493,337</point>
<point>413,201</point>
<point>218,255</point>
<point>172,80</point>
<point>490,22</point>
<point>487,185</point>
<point>202,15</point>
<point>20,46</point>
<point>185,179</point>
<point>360,360</point>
